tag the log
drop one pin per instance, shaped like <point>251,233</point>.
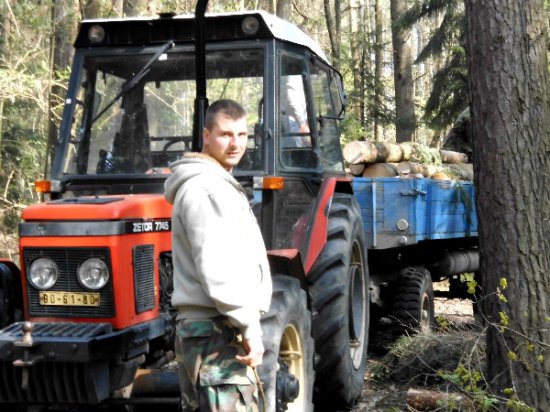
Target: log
<point>366,152</point>
<point>357,169</point>
<point>388,152</point>
<point>427,400</point>
<point>360,152</point>
<point>380,170</point>
<point>406,168</point>
<point>407,150</point>
<point>448,156</point>
<point>440,176</point>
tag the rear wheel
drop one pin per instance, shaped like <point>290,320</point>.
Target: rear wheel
<point>287,368</point>
<point>413,302</point>
<point>339,293</point>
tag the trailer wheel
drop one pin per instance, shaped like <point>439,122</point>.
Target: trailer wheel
<point>413,301</point>
<point>287,369</point>
<point>339,293</point>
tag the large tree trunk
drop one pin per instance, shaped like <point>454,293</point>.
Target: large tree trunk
<point>511,123</point>
<point>405,120</point>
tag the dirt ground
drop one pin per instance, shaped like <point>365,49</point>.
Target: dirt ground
<point>390,397</point>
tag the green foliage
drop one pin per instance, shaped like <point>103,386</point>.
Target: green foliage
<point>449,94</point>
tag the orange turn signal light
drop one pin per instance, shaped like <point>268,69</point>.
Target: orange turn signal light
<point>274,183</point>
<point>42,186</point>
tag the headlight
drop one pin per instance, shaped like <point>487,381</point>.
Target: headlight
<point>96,34</point>
<point>43,273</point>
<point>93,274</point>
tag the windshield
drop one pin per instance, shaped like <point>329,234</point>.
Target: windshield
<point>150,123</point>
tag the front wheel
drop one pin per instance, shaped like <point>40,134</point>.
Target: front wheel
<point>287,368</point>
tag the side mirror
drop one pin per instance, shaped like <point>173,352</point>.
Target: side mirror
<point>338,95</point>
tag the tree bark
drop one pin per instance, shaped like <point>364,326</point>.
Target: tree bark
<point>405,119</point>
<point>378,57</point>
<point>284,9</point>
<point>134,7</point>
<point>508,67</point>
<point>332,18</point>
<point>91,9</point>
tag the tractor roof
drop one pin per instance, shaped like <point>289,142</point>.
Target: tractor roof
<point>219,26</point>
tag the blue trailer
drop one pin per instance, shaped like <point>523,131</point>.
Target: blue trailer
<point>417,231</point>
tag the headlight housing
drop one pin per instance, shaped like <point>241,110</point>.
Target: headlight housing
<point>43,273</point>
<point>93,274</point>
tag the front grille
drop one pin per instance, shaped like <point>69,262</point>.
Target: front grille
<point>55,382</point>
<point>67,261</point>
<point>144,277</point>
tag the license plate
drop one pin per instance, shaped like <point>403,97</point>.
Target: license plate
<point>69,299</point>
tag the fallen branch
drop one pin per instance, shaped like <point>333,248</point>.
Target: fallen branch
<point>427,400</point>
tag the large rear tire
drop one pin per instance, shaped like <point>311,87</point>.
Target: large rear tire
<point>339,293</point>
<point>287,368</point>
<point>413,301</point>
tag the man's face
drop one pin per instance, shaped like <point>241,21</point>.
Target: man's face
<point>226,141</point>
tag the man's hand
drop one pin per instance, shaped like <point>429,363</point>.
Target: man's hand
<point>254,352</point>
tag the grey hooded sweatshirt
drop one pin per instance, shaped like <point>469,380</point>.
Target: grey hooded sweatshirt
<point>219,257</point>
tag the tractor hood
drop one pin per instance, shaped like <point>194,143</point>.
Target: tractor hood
<point>104,208</point>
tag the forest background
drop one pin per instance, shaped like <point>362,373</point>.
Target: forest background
<point>403,62</point>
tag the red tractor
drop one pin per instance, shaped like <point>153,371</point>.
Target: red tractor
<point>96,272</point>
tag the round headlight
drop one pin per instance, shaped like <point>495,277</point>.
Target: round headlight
<point>250,25</point>
<point>43,273</point>
<point>96,34</point>
<point>93,274</point>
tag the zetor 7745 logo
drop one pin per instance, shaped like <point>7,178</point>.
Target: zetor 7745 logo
<point>151,226</point>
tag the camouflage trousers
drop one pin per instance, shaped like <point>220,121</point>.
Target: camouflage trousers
<point>210,377</point>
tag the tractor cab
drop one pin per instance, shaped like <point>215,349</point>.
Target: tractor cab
<point>129,108</point>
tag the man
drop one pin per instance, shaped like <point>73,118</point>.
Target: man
<point>460,138</point>
<point>222,281</point>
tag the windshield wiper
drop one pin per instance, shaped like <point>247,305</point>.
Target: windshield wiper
<point>137,77</point>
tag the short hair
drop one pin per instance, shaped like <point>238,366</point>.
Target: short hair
<point>227,106</point>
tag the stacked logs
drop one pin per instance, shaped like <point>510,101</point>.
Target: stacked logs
<point>409,159</point>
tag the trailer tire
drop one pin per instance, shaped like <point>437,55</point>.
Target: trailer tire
<point>339,292</point>
<point>289,349</point>
<point>413,301</point>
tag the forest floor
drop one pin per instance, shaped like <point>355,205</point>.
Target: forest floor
<point>418,361</point>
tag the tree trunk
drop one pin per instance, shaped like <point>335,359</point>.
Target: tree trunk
<point>405,120</point>
<point>5,33</point>
<point>284,9</point>
<point>378,57</point>
<point>91,9</point>
<point>333,26</point>
<point>134,8</point>
<point>511,124</point>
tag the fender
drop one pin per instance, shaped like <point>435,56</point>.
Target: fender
<point>318,223</point>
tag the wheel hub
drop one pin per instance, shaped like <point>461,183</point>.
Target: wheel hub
<point>288,386</point>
